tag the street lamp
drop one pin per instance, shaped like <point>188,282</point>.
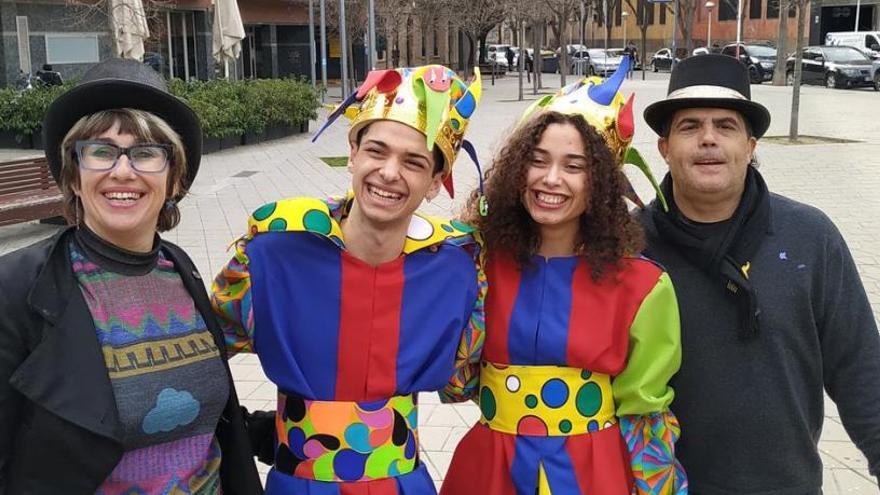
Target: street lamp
<point>709,6</point>
<point>624,14</point>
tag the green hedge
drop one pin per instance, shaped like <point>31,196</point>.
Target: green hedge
<point>231,108</point>
<point>225,108</point>
<point>22,112</point>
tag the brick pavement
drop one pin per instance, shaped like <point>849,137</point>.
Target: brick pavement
<point>841,179</point>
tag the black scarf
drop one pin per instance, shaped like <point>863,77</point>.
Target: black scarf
<point>728,253</point>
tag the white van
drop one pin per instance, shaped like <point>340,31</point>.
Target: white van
<point>866,41</point>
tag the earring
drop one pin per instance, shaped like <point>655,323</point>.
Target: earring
<point>170,204</point>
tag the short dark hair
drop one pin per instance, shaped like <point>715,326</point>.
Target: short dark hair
<point>666,128</point>
<point>438,155</point>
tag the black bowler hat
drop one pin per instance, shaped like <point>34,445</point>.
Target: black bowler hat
<point>710,81</point>
<point>121,83</point>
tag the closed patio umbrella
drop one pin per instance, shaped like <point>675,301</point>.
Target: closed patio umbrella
<point>228,32</point>
<point>129,28</point>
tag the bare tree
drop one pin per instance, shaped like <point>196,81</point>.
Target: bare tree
<point>641,10</point>
<point>686,9</point>
<point>520,13</point>
<point>476,18</point>
<point>427,14</point>
<point>90,13</point>
<point>394,13</point>
<point>561,12</point>
<point>802,7</point>
<point>782,34</point>
<point>355,28</point>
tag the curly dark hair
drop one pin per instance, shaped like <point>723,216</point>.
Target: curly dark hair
<point>607,231</point>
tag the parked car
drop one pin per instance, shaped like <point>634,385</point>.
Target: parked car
<point>759,59</point>
<point>835,67</point>
<point>618,52</point>
<point>662,60</point>
<point>497,54</point>
<point>595,61</point>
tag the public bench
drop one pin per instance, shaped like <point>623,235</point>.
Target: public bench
<point>27,191</point>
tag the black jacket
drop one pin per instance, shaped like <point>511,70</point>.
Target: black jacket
<point>59,427</point>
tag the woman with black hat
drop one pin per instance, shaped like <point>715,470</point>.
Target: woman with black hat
<point>113,376</point>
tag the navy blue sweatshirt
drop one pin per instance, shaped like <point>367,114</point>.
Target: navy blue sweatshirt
<point>751,411</point>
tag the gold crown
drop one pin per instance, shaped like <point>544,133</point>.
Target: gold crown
<point>604,108</point>
<point>431,99</point>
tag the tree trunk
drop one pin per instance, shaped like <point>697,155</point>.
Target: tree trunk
<point>483,48</point>
<point>521,62</point>
<point>689,32</point>
<point>352,77</point>
<point>540,57</point>
<point>561,25</point>
<point>644,29</point>
<point>536,58</point>
<point>779,71</point>
<point>799,45</point>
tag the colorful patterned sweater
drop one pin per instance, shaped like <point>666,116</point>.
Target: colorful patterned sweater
<point>167,376</point>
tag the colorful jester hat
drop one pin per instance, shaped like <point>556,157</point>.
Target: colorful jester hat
<point>602,105</point>
<point>431,99</point>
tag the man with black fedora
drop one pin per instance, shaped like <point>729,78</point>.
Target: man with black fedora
<point>773,312</point>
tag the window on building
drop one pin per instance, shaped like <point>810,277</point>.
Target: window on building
<point>727,10</point>
<point>436,43</point>
<point>649,9</point>
<point>772,9</point>
<point>663,14</point>
<point>755,9</point>
<point>71,48</point>
<point>618,11</point>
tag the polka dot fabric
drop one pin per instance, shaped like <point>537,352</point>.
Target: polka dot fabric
<point>346,441</point>
<point>545,400</point>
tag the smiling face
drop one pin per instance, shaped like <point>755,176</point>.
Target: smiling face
<point>556,180</point>
<point>392,172</point>
<point>121,205</point>
<point>708,151</point>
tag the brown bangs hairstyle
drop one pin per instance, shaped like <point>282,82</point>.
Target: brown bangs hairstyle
<point>607,231</point>
<point>146,128</point>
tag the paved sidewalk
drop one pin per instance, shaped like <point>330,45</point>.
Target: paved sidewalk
<point>841,179</point>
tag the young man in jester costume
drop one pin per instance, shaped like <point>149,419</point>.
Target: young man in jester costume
<point>355,304</point>
<point>582,334</point>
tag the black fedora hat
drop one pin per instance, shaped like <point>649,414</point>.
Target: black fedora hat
<point>121,83</point>
<point>710,81</point>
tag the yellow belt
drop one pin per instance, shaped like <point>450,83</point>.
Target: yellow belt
<point>545,400</point>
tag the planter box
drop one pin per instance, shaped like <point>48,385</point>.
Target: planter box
<point>229,142</point>
<point>9,139</point>
<point>210,144</point>
<point>37,139</point>
<point>275,132</point>
<point>252,137</point>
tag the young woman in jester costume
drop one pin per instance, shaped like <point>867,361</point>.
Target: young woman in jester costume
<point>357,303</point>
<point>582,335</point>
